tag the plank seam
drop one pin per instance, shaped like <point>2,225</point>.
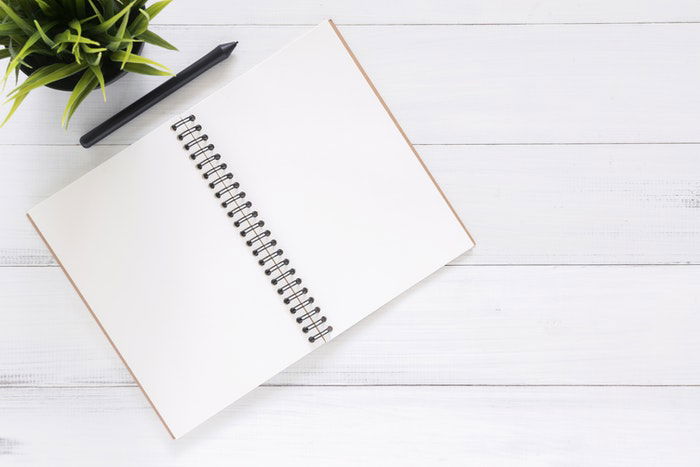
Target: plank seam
<point>388,385</point>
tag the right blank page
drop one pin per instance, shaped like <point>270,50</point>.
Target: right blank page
<point>334,178</point>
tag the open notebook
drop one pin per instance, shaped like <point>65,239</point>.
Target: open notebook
<point>246,232</point>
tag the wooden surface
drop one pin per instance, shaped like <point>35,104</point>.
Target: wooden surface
<point>566,135</point>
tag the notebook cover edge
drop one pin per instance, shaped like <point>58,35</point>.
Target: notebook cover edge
<point>398,126</point>
<point>99,324</point>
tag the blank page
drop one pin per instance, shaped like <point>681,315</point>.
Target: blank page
<point>333,176</point>
<point>171,283</point>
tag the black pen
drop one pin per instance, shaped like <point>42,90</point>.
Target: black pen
<point>220,53</point>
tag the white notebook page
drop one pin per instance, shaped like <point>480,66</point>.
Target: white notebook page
<point>172,283</point>
<point>333,177</point>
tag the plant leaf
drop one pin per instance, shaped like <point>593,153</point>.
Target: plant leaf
<point>23,52</point>
<point>80,8</point>
<point>26,6</point>
<point>17,101</point>
<point>108,7</point>
<point>85,85</point>
<point>87,19</point>
<point>145,70</point>
<point>16,18</point>
<point>108,23</point>
<point>75,24</point>
<point>156,8</point>
<point>47,8</point>
<point>153,38</point>
<point>97,71</point>
<point>140,24</point>
<point>67,37</point>
<point>92,50</point>
<point>138,4</point>
<point>45,75</point>
<point>93,59</point>
<point>120,55</point>
<point>97,11</point>
<point>122,28</point>
<point>4,53</point>
<point>127,53</point>
<point>47,40</point>
<point>9,28</point>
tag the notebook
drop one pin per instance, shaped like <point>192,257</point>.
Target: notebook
<point>250,230</point>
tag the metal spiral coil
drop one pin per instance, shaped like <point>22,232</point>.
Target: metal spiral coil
<point>247,221</point>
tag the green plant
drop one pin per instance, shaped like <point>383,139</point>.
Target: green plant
<point>77,36</point>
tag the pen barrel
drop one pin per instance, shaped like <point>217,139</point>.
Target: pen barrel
<point>152,98</point>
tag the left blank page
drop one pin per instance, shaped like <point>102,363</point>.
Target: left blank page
<point>169,280</point>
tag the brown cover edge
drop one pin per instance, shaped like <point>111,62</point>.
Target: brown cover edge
<point>398,127</point>
<point>104,331</point>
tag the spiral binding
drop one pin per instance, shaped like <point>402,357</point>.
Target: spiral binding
<point>247,220</point>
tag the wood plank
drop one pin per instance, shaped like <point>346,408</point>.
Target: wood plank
<point>601,204</point>
<point>408,426</point>
<point>575,204</point>
<point>421,12</point>
<point>615,83</point>
<point>465,325</point>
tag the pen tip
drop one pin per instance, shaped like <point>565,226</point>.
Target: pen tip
<point>228,47</point>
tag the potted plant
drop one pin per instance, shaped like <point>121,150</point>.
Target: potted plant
<point>76,45</point>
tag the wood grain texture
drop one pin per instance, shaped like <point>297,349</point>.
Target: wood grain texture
<point>409,426</point>
<point>470,79</point>
<point>431,12</point>
<point>614,83</point>
<point>464,325</point>
<point>574,204</point>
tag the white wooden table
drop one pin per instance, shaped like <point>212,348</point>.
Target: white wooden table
<point>566,133</point>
